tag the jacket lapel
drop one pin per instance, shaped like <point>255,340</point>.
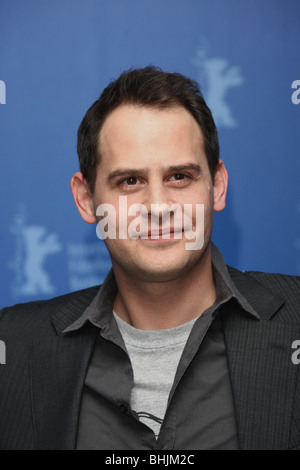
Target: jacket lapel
<point>262,374</point>
<point>58,368</point>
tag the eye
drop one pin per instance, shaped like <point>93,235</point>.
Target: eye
<point>180,179</point>
<point>132,180</point>
<point>178,176</point>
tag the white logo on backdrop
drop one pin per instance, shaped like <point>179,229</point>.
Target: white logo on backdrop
<point>217,76</point>
<point>2,92</point>
<point>33,246</point>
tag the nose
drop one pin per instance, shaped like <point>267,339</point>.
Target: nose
<point>157,201</point>
<point>156,193</point>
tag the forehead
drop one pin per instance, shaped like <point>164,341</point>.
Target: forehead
<point>138,134</point>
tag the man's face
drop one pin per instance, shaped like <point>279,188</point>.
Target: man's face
<point>154,156</point>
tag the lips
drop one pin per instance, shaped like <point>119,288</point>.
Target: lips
<point>168,232</point>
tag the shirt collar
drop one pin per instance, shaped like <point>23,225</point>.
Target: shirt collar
<point>99,312</point>
<point>225,287</point>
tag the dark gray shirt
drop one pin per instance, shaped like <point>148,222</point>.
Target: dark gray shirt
<point>200,412</point>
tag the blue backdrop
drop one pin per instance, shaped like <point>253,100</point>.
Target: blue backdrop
<point>56,57</point>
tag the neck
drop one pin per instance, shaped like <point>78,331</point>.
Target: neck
<point>161,305</point>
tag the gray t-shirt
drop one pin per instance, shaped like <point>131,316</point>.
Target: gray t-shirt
<point>154,356</point>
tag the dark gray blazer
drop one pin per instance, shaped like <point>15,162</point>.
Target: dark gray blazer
<point>42,380</point>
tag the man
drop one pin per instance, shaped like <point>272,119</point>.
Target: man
<point>175,350</point>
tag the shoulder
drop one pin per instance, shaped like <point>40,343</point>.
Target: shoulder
<point>36,315</point>
<point>264,289</point>
<point>274,281</point>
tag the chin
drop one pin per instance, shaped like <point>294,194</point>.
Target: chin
<point>157,276</point>
<point>156,265</point>
<point>164,272</point>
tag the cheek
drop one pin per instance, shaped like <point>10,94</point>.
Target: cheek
<point>203,198</point>
<point>203,213</point>
<point>105,199</point>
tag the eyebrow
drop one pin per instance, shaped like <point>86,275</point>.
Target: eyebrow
<point>142,172</point>
<point>189,167</point>
<point>127,171</point>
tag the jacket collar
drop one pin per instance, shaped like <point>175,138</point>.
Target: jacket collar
<point>264,302</point>
<point>67,309</point>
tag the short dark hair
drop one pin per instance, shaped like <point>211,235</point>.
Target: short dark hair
<point>151,87</point>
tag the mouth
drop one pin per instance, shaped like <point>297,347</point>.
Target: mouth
<point>162,234</point>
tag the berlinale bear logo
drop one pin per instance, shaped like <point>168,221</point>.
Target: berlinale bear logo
<point>217,77</point>
<point>34,245</point>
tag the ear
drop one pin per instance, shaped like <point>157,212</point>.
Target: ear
<point>220,187</point>
<point>83,198</point>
